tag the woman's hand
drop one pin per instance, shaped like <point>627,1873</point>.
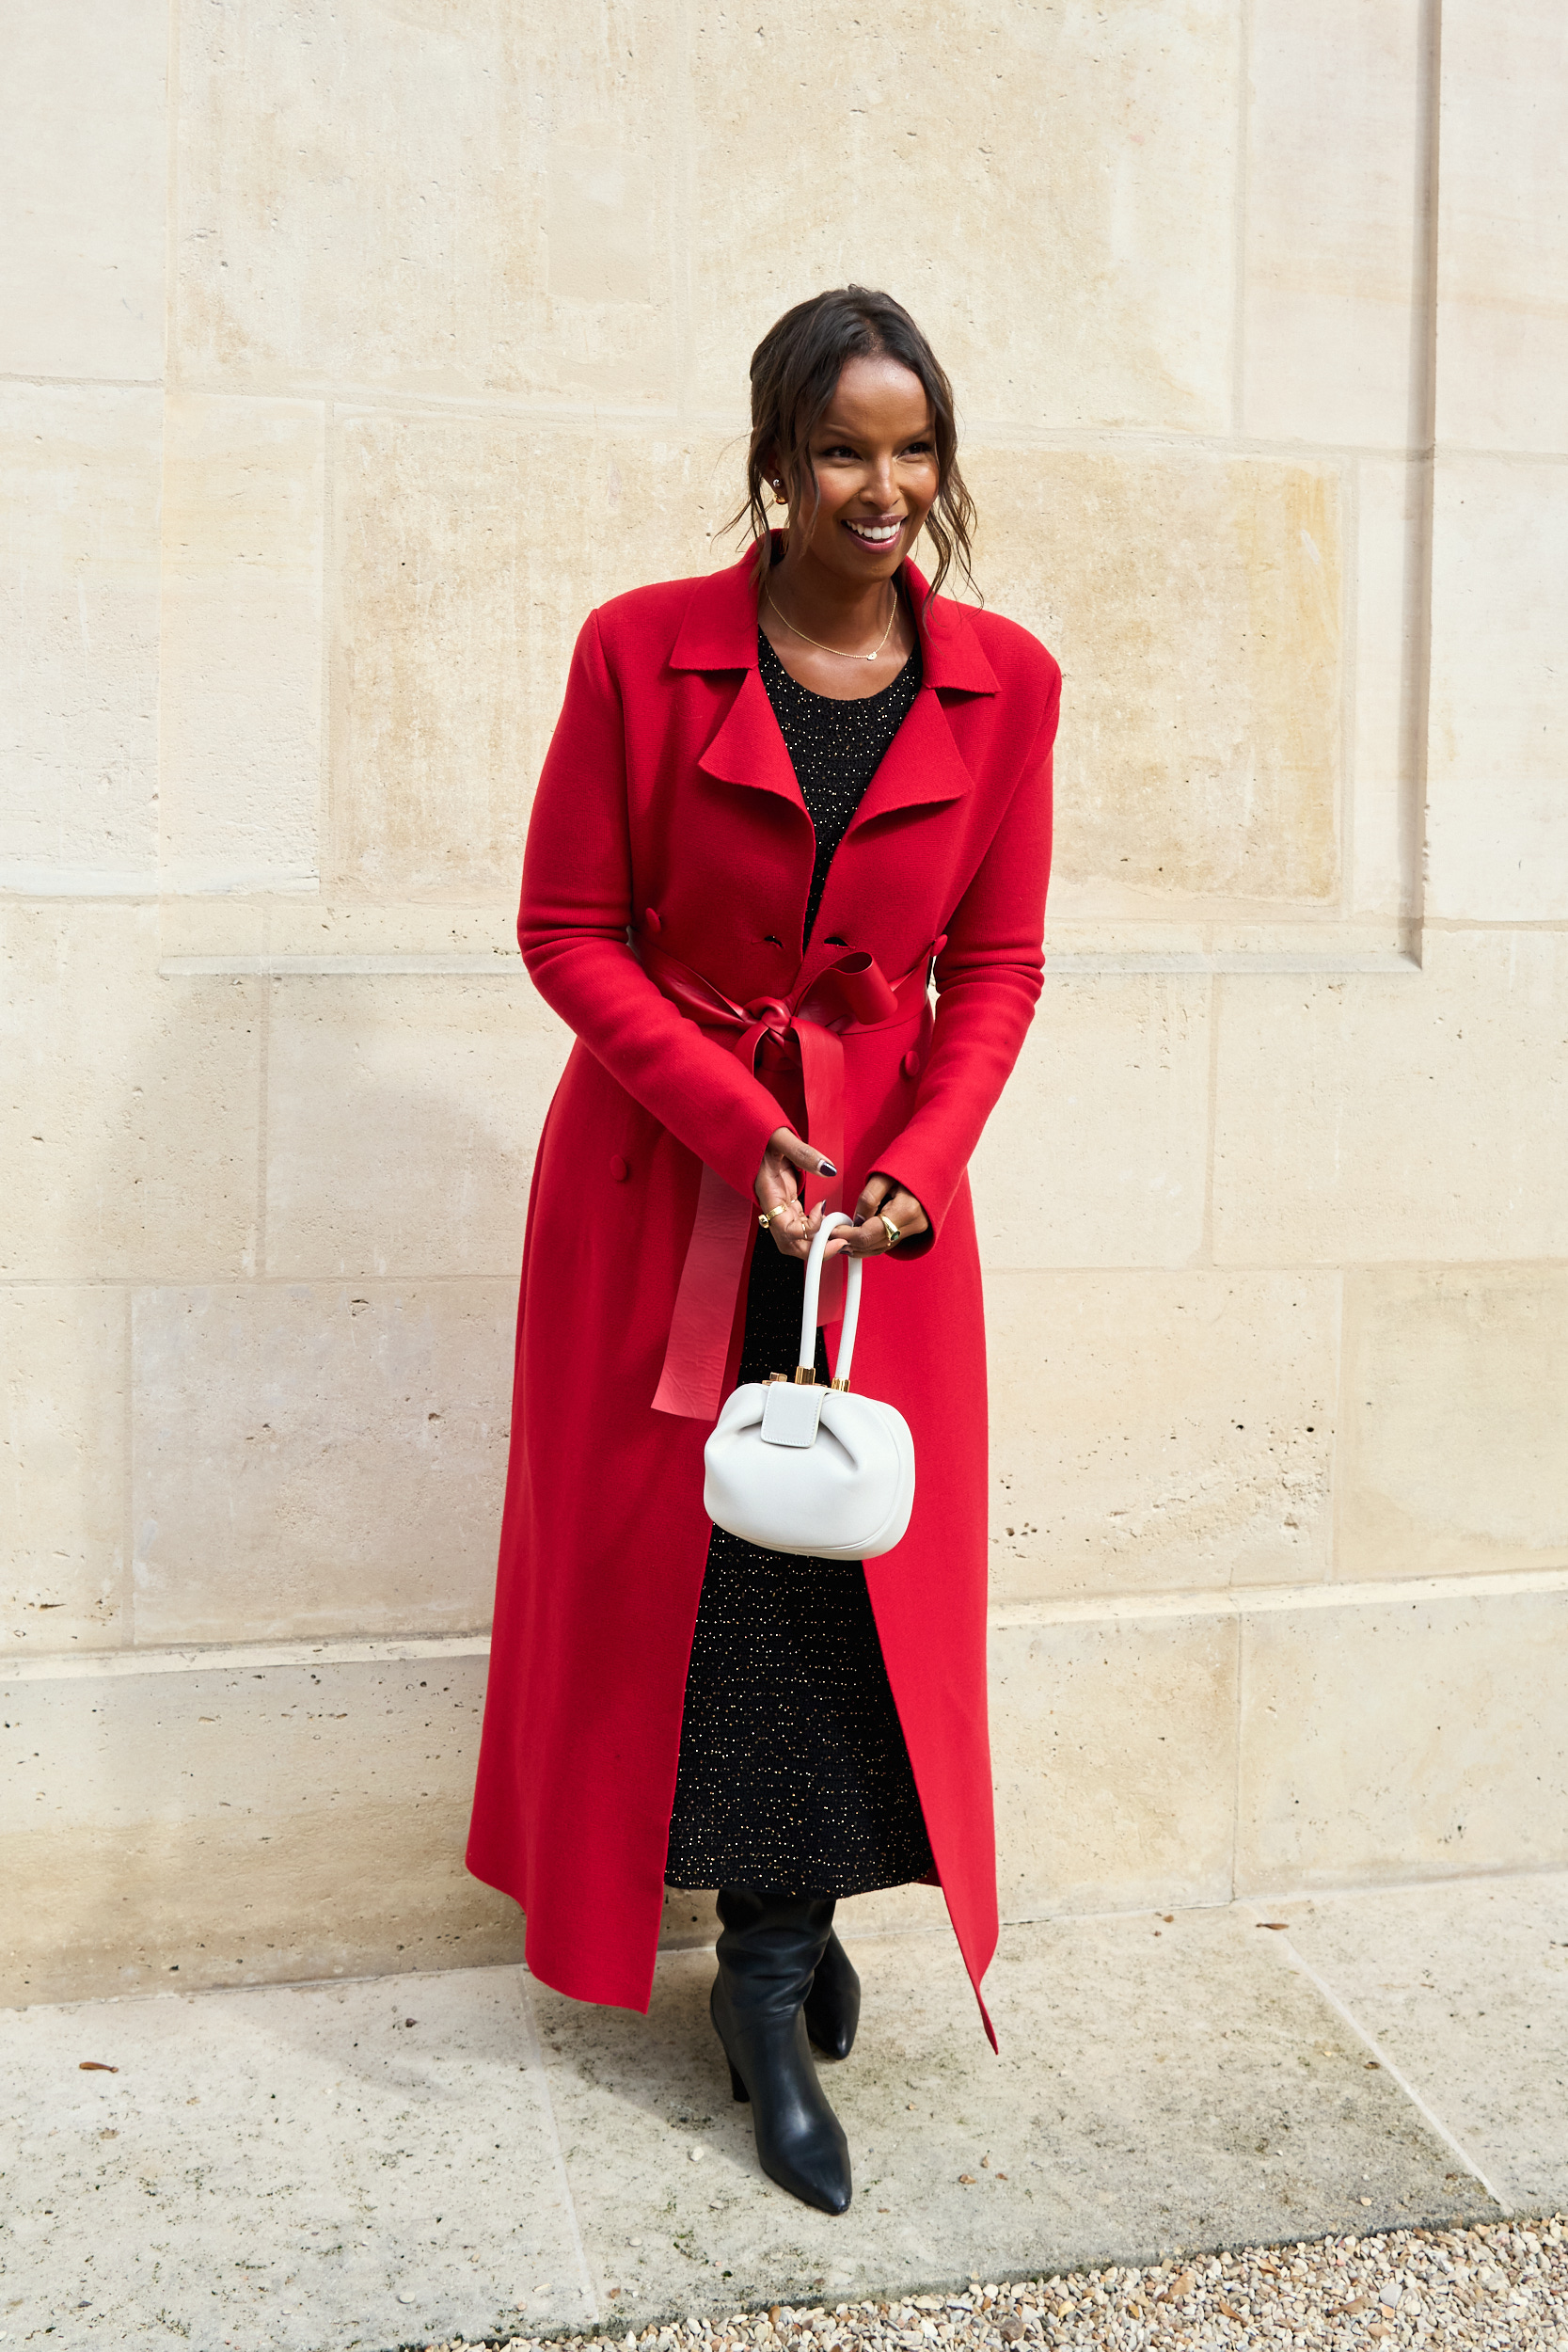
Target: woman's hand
<point>792,1231</point>
<point>868,1237</point>
<point>778,1190</point>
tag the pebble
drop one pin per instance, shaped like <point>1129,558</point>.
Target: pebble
<point>1502,2285</point>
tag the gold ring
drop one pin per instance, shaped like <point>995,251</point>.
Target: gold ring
<point>894,1233</point>
<point>765,1221</point>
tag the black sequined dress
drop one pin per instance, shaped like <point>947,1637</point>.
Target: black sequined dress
<point>793,1769</point>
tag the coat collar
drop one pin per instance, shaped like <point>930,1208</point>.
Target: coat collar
<point>719,632</point>
<point>922,765</point>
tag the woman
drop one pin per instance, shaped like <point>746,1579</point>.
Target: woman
<point>777,802</point>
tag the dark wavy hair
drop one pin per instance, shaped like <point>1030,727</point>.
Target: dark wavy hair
<point>795,373</point>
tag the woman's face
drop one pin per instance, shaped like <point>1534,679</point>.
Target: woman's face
<point>875,458</point>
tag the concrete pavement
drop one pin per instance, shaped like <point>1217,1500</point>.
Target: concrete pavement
<point>381,2162</point>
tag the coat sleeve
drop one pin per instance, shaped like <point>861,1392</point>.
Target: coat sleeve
<point>572,929</point>
<point>989,977</point>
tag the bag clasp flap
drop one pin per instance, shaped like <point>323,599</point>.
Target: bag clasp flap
<point>790,1415</point>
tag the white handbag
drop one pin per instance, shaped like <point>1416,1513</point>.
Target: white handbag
<point>793,1467</point>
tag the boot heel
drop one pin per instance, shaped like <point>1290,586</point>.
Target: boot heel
<point>742,2096</point>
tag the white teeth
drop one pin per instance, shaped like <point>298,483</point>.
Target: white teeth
<point>877,533</point>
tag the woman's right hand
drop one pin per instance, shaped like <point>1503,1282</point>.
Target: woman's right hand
<point>778,1191</point>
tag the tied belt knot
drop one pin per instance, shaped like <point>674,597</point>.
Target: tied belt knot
<point>803,1031</point>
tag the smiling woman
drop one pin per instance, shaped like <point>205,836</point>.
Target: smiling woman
<point>779,805</point>
<point>852,423</point>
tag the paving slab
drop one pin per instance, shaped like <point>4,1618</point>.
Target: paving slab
<point>1465,1988</point>
<point>281,2169</point>
<point>1161,2083</point>
<point>303,2168</point>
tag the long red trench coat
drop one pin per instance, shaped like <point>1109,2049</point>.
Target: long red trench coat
<point>663,903</point>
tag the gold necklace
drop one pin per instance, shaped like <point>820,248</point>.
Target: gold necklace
<point>838,649</point>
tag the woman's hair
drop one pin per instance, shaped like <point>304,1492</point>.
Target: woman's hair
<point>795,373</point>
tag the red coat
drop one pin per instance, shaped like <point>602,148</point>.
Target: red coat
<point>668,808</point>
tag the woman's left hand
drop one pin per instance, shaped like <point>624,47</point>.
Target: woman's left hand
<point>868,1237</point>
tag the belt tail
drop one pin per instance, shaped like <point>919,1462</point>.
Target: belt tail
<point>693,1381</point>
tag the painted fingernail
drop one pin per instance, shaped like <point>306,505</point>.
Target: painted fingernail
<point>825,1168</point>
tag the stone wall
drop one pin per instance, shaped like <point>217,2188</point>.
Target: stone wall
<point>347,356</point>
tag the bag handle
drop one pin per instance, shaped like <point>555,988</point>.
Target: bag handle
<point>806,1374</point>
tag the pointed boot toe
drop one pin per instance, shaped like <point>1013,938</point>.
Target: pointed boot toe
<point>801,2141</point>
<point>827,2184</point>
<point>832,2006</point>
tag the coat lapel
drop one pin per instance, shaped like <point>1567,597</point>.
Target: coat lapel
<point>719,632</point>
<point>748,748</point>
<point>922,766</point>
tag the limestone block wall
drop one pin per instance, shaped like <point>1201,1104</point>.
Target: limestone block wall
<point>347,356</point>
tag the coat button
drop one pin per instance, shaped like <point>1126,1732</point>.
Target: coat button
<point>618,1169</point>
<point>911,1064</point>
<point>650,916</point>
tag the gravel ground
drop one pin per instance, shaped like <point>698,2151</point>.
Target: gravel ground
<point>1506,2285</point>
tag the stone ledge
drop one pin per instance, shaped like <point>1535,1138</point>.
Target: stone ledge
<point>1012,1616</point>
<point>64,1665</point>
<point>500,966</point>
<point>279,1812</point>
<point>1269,1600</point>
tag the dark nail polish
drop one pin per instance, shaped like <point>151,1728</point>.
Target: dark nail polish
<point>825,1168</point>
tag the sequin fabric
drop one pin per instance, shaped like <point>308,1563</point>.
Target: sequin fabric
<point>793,1769</point>
<point>837,748</point>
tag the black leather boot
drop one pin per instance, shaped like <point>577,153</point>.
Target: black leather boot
<point>833,2004</point>
<point>767,1954</point>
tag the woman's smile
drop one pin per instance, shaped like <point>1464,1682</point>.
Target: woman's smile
<point>876,535</point>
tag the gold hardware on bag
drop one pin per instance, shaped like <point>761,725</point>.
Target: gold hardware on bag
<point>806,1375</point>
<point>840,1385</point>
